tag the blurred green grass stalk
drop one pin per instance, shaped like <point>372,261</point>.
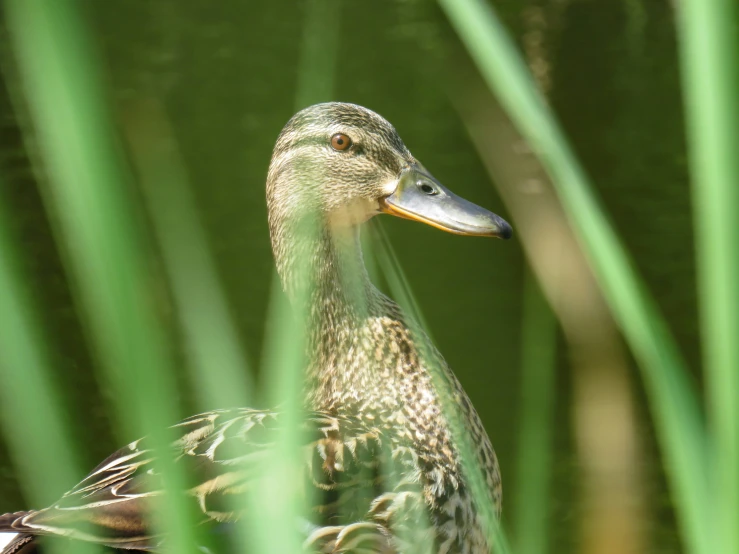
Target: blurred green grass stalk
<point>217,363</point>
<point>709,32</point>
<point>220,374</point>
<point>672,398</point>
<point>278,490</point>
<point>317,65</point>
<point>32,412</point>
<point>403,295</point>
<point>534,453</point>
<point>88,196</point>
<point>276,500</point>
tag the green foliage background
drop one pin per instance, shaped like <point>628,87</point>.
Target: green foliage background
<point>225,76</point>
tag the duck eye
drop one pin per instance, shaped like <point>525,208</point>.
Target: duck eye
<point>427,189</point>
<point>341,142</point>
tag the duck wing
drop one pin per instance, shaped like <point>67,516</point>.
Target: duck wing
<point>346,467</point>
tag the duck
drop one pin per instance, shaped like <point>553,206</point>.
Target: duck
<point>380,457</point>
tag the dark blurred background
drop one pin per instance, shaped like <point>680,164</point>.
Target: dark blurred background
<point>225,74</point>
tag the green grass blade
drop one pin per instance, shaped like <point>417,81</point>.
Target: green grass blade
<point>534,454</point>
<point>710,43</point>
<point>673,400</point>
<point>33,417</point>
<point>403,295</point>
<point>89,197</point>
<point>317,65</point>
<point>218,365</point>
<point>393,272</point>
<point>283,366</point>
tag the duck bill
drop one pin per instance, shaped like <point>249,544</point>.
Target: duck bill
<point>420,197</point>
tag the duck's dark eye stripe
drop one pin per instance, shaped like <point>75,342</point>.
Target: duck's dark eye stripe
<point>307,141</point>
<point>390,159</point>
<point>286,146</point>
<point>312,141</point>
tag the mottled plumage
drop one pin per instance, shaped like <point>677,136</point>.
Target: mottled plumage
<point>379,454</point>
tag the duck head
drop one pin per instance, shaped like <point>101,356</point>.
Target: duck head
<point>341,164</point>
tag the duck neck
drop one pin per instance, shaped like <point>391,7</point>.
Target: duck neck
<point>330,290</point>
<point>324,275</point>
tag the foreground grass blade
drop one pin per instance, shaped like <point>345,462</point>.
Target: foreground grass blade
<point>217,362</point>
<point>673,402</point>
<point>317,65</point>
<point>710,43</point>
<point>402,293</point>
<point>218,365</point>
<point>283,368</point>
<point>90,199</point>
<point>33,418</point>
<point>278,493</point>
<point>534,455</point>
